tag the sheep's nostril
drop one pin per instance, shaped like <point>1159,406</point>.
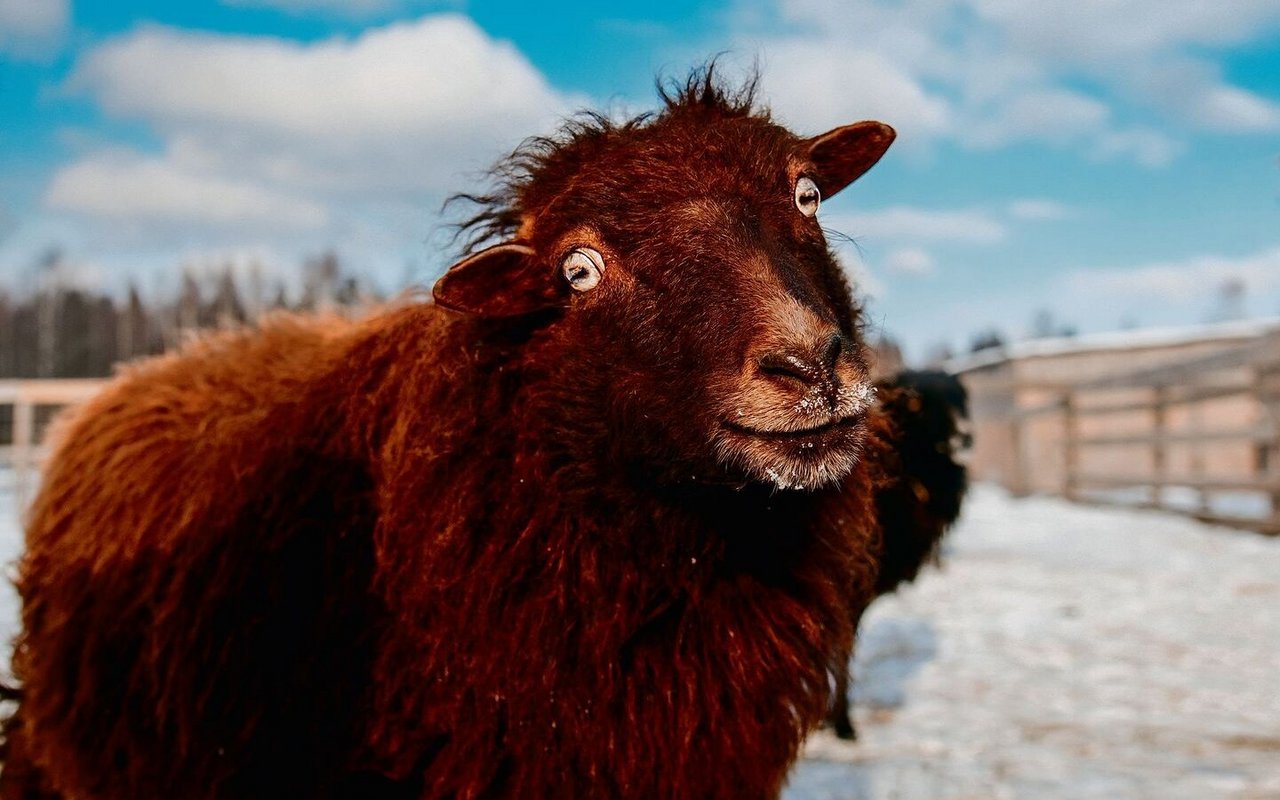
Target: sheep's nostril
<point>831,353</point>
<point>792,367</point>
<point>811,366</point>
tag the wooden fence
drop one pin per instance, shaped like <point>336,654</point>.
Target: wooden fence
<point>1200,436</point>
<point>29,405</point>
<point>1192,436</point>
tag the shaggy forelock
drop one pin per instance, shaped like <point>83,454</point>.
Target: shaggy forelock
<point>542,166</point>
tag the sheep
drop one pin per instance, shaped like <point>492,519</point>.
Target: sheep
<point>588,525</point>
<point>923,495</point>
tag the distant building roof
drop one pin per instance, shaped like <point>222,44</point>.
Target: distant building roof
<point>1115,340</point>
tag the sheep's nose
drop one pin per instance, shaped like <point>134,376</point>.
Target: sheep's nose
<point>811,366</point>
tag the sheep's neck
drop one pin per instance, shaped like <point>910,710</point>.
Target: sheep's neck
<point>541,592</point>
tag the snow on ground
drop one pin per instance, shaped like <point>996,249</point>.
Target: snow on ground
<point>10,549</point>
<point>1065,651</point>
<point>1061,652</point>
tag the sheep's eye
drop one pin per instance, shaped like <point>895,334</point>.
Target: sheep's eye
<point>583,268</point>
<point>807,197</point>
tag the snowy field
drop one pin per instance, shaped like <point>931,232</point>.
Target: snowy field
<point>1061,652</point>
<point>1068,652</point>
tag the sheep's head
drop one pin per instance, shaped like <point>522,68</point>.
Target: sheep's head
<point>676,267</point>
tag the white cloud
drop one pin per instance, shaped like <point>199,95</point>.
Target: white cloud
<point>155,190</point>
<point>1069,30</point>
<point>398,107</point>
<point>1184,282</point>
<point>1193,90</point>
<point>298,145</point>
<point>1228,108</point>
<point>32,28</point>
<point>1147,51</point>
<point>855,85</point>
<point>407,78</point>
<point>906,222</point>
<point>910,261</point>
<point>1038,208</point>
<point>1058,116</point>
<point>1148,147</point>
<point>346,8</point>
<point>991,73</point>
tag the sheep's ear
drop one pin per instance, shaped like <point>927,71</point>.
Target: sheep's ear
<point>500,281</point>
<point>842,155</point>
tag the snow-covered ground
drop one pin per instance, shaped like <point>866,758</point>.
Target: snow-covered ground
<point>1061,652</point>
<point>10,549</point>
<point>1068,652</point>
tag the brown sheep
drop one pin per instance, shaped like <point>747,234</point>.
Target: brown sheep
<point>590,525</point>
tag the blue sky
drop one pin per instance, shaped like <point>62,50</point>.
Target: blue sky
<point>1113,163</point>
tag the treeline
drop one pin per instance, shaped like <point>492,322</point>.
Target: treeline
<point>64,330</point>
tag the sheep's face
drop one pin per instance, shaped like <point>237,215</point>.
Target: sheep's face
<point>707,331</point>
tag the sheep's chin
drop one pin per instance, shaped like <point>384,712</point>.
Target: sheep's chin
<point>795,464</point>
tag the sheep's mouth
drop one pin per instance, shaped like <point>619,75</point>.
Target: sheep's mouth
<point>815,432</point>
<point>805,458</point>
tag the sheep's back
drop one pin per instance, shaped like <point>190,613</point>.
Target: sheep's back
<point>195,577</point>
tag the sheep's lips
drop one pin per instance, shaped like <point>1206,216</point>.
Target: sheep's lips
<point>806,458</point>
<point>805,437</point>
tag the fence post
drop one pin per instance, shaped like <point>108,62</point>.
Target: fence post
<point>1070,445</point>
<point>1159,409</point>
<point>1195,420</point>
<point>1018,467</point>
<point>24,423</point>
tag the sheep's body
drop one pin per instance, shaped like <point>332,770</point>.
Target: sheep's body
<point>548,547</point>
<point>221,653</point>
